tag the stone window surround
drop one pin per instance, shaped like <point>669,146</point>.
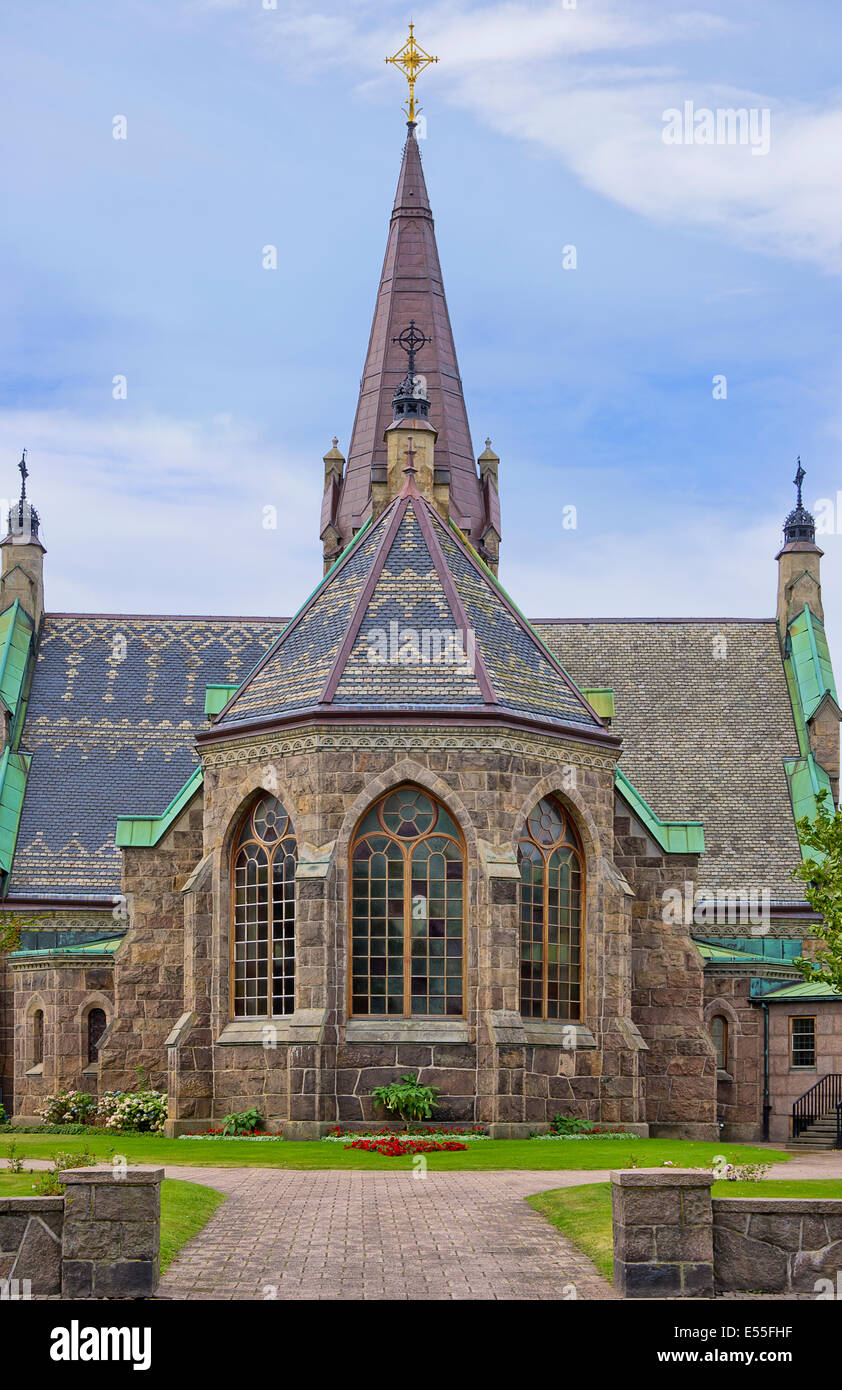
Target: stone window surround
<point>94,1000</point>
<point>35,1005</point>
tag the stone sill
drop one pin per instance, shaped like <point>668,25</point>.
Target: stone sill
<point>406,1030</point>
<point>723,1075</point>
<point>559,1035</point>
<point>36,1071</point>
<point>303,1026</point>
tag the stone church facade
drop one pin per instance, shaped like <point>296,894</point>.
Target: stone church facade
<point>279,862</point>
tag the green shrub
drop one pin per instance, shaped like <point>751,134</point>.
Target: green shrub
<point>242,1122</point>
<point>565,1124</point>
<point>144,1111</point>
<point>408,1097</point>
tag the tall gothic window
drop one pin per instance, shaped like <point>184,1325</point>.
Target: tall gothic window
<point>96,1028</point>
<point>551,902</point>
<point>37,1037</point>
<point>719,1033</point>
<point>263,934</point>
<point>407,909</point>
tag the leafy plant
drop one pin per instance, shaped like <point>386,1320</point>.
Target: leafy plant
<point>566,1124</point>
<point>823,890</point>
<point>242,1122</point>
<point>408,1097</point>
<point>4,1119</point>
<point>63,1159</point>
<point>13,1162</point>
<point>48,1185</point>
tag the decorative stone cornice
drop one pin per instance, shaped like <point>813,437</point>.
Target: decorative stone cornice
<point>406,739</point>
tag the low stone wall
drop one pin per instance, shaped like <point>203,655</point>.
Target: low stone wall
<point>112,1232</point>
<point>663,1233</point>
<point>30,1245</point>
<point>672,1241</point>
<point>783,1246</point>
<point>100,1240</point>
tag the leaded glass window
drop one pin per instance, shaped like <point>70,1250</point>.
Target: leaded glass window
<point>407,909</point>
<point>263,947</point>
<point>96,1027</point>
<point>719,1033</point>
<point>551,900</point>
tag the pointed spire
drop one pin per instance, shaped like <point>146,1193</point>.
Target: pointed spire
<point>410,289</point>
<point>799,525</point>
<point>23,520</point>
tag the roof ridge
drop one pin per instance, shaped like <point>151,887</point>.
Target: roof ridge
<point>512,608</point>
<point>398,512</point>
<point>453,596</point>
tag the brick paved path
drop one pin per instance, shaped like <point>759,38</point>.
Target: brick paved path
<point>301,1235</point>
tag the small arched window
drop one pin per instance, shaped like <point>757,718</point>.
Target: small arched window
<point>38,1037</point>
<point>96,1028</point>
<point>551,904</point>
<point>719,1034</point>
<point>263,929</point>
<point>407,909</point>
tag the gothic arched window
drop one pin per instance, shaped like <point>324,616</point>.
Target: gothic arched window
<point>719,1033</point>
<point>407,909</point>
<point>263,928</point>
<point>96,1028</point>
<point>37,1037</point>
<point>551,905</point>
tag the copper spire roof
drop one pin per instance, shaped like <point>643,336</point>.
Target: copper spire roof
<point>357,646</point>
<point>411,288</point>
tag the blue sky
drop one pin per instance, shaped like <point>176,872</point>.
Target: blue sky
<point>249,126</point>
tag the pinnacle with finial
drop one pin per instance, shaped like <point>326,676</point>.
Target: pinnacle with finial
<point>24,474</point>
<point>798,480</point>
<point>412,60</point>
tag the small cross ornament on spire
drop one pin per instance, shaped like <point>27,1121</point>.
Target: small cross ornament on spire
<point>412,60</point>
<point>410,470</point>
<point>798,479</point>
<point>24,474</point>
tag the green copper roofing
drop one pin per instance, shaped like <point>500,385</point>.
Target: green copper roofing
<point>721,955</point>
<point>805,778</point>
<point>805,990</point>
<point>14,768</point>
<point>90,948</point>
<point>676,837</point>
<point>15,642</point>
<point>145,831</point>
<point>809,655</point>
<point>217,697</point>
<point>600,698</point>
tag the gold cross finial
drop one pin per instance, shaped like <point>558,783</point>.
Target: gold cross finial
<point>412,60</point>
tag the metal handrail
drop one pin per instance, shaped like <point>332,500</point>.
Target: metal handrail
<point>824,1096</point>
<point>839,1125</point>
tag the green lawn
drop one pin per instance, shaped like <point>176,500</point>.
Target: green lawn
<point>487,1154</point>
<point>185,1208</point>
<point>584,1213</point>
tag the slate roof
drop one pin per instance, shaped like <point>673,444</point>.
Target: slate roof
<point>704,734</point>
<point>409,573</point>
<point>115,705</point>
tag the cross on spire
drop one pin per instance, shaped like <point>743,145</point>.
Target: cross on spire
<point>411,339</point>
<point>798,480</point>
<point>412,60</point>
<point>24,474</point>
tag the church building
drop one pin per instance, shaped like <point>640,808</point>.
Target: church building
<point>544,863</point>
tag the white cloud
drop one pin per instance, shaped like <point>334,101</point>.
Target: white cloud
<point>166,515</point>
<point>548,75</point>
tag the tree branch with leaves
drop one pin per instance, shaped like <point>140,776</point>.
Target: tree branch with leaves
<point>822,878</point>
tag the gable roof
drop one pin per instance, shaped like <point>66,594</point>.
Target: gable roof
<point>704,712</point>
<point>410,620</point>
<point>114,710</point>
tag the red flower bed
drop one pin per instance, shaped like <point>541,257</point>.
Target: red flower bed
<point>396,1146</point>
<point>338,1132</point>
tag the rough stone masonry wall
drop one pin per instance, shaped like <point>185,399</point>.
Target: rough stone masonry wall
<point>30,1245</point>
<point>740,1099</point>
<point>668,990</point>
<point>7,1037</point>
<point>149,963</point>
<point>784,1246</point>
<point>326,779</point>
<point>65,991</point>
